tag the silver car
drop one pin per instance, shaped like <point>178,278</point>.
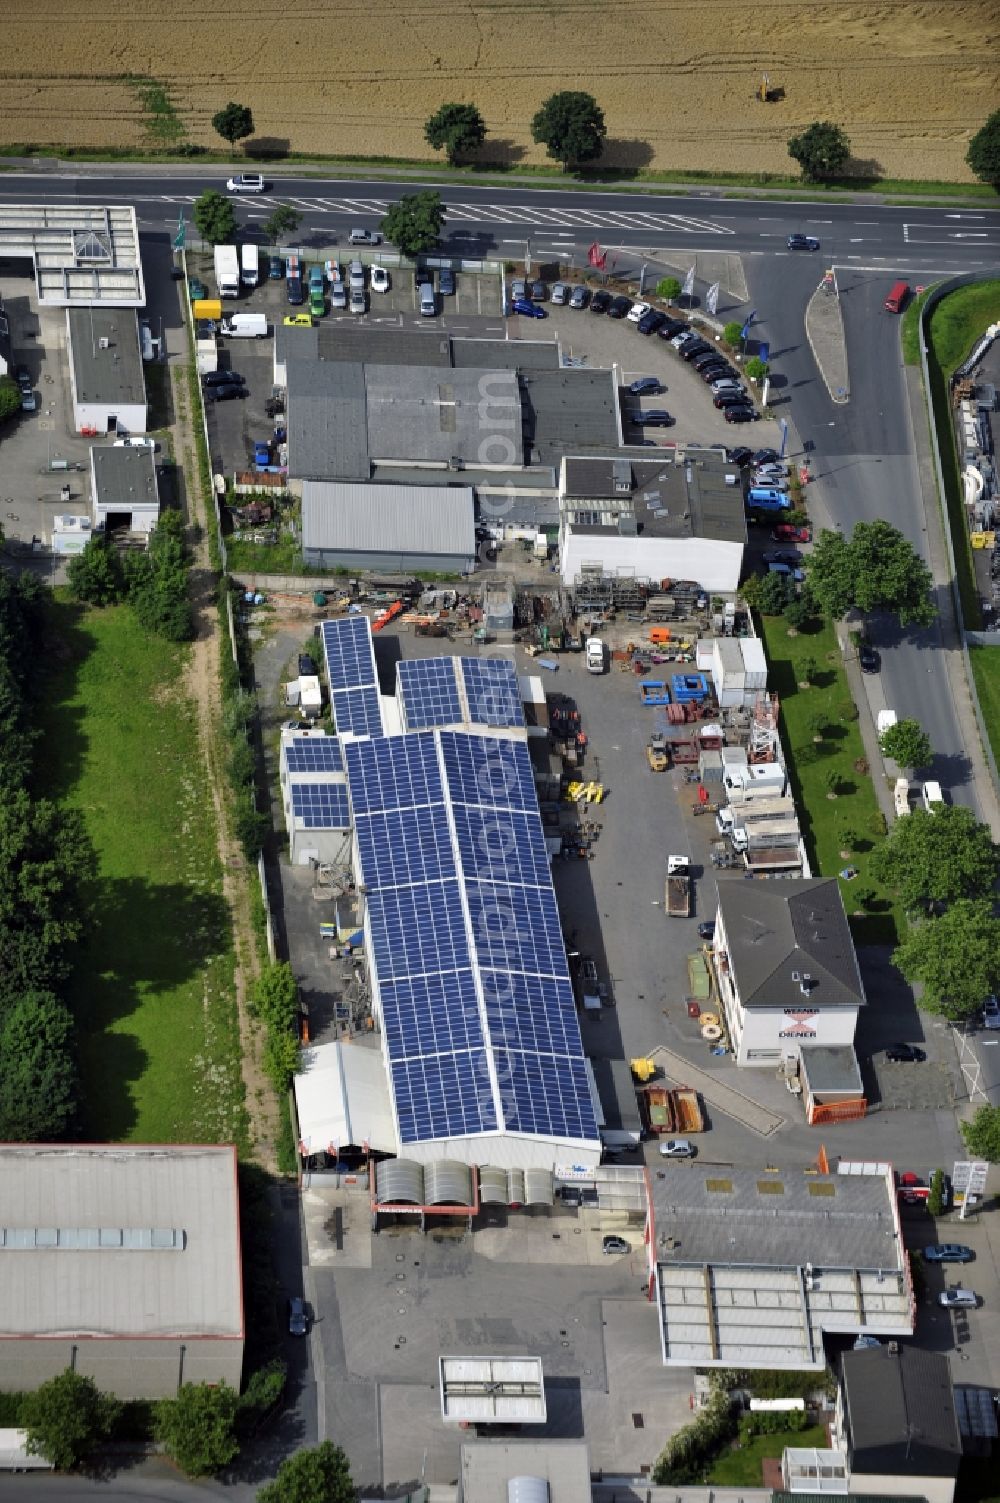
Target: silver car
<point>578,297</point>
<point>518,289</point>
<point>677,1148</point>
<point>357,300</point>
<point>560,293</point>
<point>965,1298</point>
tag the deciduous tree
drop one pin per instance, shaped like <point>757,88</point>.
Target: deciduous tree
<point>66,1418</point>
<point>38,1078</point>
<point>45,855</point>
<point>413,223</point>
<point>956,957</point>
<point>214,217</point>
<point>669,289</point>
<point>198,1427</point>
<point>875,569</point>
<point>982,1134</point>
<point>457,128</point>
<point>282,220</point>
<point>570,125</point>
<point>10,398</point>
<point>96,575</point>
<point>321,1475</point>
<point>821,150</point>
<point>938,857</point>
<point>234,123</point>
<point>983,155</point>
<point>907,743</point>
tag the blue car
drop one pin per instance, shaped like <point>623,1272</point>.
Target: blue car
<point>528,309</point>
<point>948,1252</point>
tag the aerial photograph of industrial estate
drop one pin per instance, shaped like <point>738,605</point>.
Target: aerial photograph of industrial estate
<point>499,926</point>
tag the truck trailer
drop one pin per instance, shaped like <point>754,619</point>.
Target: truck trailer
<point>678,894</point>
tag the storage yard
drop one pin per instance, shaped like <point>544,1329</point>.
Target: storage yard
<point>908,82</point>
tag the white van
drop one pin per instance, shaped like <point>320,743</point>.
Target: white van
<point>931,794</point>
<point>249,265</point>
<point>245,326</point>
<point>365,237</point>
<point>595,655</point>
<point>428,302</point>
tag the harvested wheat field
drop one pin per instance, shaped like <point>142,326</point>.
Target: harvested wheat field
<point>910,83</point>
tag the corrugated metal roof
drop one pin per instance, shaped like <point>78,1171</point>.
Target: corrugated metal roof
<point>424,519</point>
<point>327,421</point>
<point>121,1291</point>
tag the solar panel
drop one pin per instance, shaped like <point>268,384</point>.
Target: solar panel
<point>350,656</point>
<point>443,1097</point>
<point>321,806</point>
<point>488,771</point>
<point>429,692</point>
<point>314,754</point>
<point>401,847</point>
<point>357,710</point>
<point>418,931</point>
<point>545,1094</point>
<point>492,691</point>
<point>444,1006</point>
<point>502,846</point>
<point>532,1014</point>
<point>517,928</point>
<point>398,772</point>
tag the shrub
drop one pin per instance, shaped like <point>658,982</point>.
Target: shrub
<point>685,1456</point>
<point>935,1200</point>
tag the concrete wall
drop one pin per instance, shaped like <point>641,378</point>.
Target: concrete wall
<point>875,1485</point>
<point>715,565</point>
<point>130,1369</point>
<point>99,415</point>
<point>388,563</point>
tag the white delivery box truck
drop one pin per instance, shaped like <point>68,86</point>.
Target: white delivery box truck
<point>249,265</point>
<point>595,655</point>
<point>245,326</point>
<point>207,355</point>
<point>227,270</point>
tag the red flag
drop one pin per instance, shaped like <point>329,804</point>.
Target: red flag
<point>597,257</point>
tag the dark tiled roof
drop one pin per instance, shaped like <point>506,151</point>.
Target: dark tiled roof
<point>776,928</point>
<point>900,1412</point>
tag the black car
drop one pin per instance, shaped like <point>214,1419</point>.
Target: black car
<point>707,357</point>
<point>298,1319</point>
<point>655,417</point>
<point>766,456</point>
<point>734,398</point>
<point>905,1054</point>
<point>222,378</point>
<point>647,385</point>
<point>232,393</point>
<point>740,415</point>
<point>176,273</point>
<point>600,302</point>
<point>802,242</point>
<point>695,348</point>
<point>869,660</point>
<point>538,292</point>
<point>706,931</point>
<point>671,328</point>
<point>651,321</point>
<point>717,370</point>
<point>293,289</point>
<point>619,307</point>
<point>741,455</point>
<point>790,556</point>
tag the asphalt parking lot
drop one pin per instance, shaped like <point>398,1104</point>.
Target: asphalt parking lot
<point>600,342</point>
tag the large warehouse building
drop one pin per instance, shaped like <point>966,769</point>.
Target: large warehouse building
<point>121,1262</point>
<point>467,966</point>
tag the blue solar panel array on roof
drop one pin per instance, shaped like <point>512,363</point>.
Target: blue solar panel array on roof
<point>429,692</point>
<point>321,806</point>
<point>492,691</point>
<point>466,947</point>
<point>350,670</point>
<point>314,754</point>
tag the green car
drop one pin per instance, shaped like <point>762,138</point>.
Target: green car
<point>317,302</point>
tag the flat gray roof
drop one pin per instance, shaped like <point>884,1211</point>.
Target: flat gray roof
<point>616,1089</point>
<point>75,1219</point>
<point>488,1466</point>
<point>830,1068</point>
<point>83,255</point>
<point>327,421</point>
<point>113,373</point>
<point>506,354</point>
<point>432,415</point>
<point>375,346</point>
<point>567,410</point>
<point>124,478</point>
<point>668,497</point>
<point>434,519</point>
<point>773,929</point>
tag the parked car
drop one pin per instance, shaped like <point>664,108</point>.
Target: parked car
<point>802,242</point>
<point>710,357</point>
<point>600,302</point>
<point>650,322</point>
<point>740,415</point>
<point>379,279</point>
<point>683,336</point>
<point>693,349</point>
<point>529,310</point>
<point>222,378</point>
<point>276,269</point>
<point>786,532</point>
<point>298,1320</point>
<point>615,1245</point>
<point>735,398</point>
<point>560,293</point>
<point>317,302</point>
<point>766,456</point>
<point>638,311</point>
<point>619,307</point>
<point>647,386</point>
<point>578,297</point>
<point>518,290</point>
<point>991,1012</point>
<point>446,282</point>
<point>538,292</point>
<point>788,571</point>
<point>706,931</point>
<point>246,182</point>
<point>869,659</point>
<point>357,302</point>
<point>948,1252</point>
<point>656,417</point>
<point>741,455</point>
<point>28,399</point>
<point>723,384</point>
<point>293,291</point>
<point>677,1148</point>
<point>963,1298</point>
<point>783,556</point>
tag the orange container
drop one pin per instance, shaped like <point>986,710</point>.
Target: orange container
<point>659,634</point>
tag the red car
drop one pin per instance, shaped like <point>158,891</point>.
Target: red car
<point>786,533</point>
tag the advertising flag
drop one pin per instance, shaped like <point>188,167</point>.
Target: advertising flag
<point>597,257</point>
<point>712,298</point>
<point>688,287</point>
<point>764,353</point>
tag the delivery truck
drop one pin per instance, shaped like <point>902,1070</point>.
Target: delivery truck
<point>678,896</point>
<point>249,265</point>
<point>245,326</point>
<point>227,270</point>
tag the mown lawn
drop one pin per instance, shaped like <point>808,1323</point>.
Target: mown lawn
<point>986,672</point>
<point>153,991</point>
<point>852,821</point>
<point>744,1468</point>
